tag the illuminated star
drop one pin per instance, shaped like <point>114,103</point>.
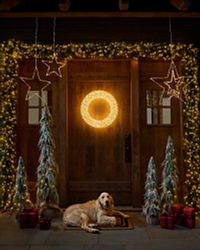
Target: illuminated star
<point>170,84</point>
<point>54,66</point>
<point>29,81</point>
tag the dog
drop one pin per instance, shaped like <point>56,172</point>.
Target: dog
<point>92,214</point>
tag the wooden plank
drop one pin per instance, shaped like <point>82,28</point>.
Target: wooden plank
<point>123,5</point>
<point>100,14</point>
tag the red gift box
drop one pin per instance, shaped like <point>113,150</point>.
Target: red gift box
<point>189,217</point>
<point>177,210</point>
<point>167,221</point>
<point>44,223</point>
<point>28,218</point>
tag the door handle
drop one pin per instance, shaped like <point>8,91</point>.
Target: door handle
<point>127,148</point>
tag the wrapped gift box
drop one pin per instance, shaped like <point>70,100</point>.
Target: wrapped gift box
<point>44,223</point>
<point>189,217</point>
<point>167,221</point>
<point>177,210</point>
<point>28,218</point>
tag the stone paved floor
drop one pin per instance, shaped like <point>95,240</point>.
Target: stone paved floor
<point>140,238</point>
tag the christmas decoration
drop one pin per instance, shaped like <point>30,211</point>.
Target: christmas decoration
<point>189,217</point>
<point>44,223</point>
<point>28,218</point>
<point>184,216</point>
<point>167,221</point>
<point>177,211</point>
<point>171,84</point>
<point>47,169</point>
<point>54,66</point>
<point>11,51</point>
<point>21,198</point>
<point>35,78</point>
<point>151,197</point>
<point>169,182</point>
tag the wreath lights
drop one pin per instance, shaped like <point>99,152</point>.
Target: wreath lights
<point>93,96</point>
<point>11,51</point>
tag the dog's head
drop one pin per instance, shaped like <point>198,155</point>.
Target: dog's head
<point>106,200</point>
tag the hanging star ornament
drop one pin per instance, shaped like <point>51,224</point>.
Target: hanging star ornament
<point>172,85</point>
<point>54,66</point>
<point>34,79</point>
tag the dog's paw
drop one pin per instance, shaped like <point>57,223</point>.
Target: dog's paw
<point>93,230</point>
<point>126,216</point>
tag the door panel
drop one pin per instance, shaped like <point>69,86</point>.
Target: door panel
<point>156,126</point>
<point>97,155</point>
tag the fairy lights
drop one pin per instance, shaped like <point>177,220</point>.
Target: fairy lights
<point>11,51</point>
<point>95,95</point>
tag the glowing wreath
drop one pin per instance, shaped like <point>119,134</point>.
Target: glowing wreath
<point>99,94</point>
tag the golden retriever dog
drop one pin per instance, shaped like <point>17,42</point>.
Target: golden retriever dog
<point>94,213</point>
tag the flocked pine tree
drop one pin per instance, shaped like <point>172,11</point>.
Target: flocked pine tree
<point>47,171</point>
<point>151,196</point>
<point>169,181</point>
<point>21,197</point>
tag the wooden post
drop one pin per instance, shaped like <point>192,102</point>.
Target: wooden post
<point>8,4</point>
<point>181,4</point>
<point>123,5</point>
<point>65,5</point>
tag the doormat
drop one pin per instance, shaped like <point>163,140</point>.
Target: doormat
<point>123,226</point>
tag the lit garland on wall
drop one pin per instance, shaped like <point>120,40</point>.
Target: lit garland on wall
<point>12,50</point>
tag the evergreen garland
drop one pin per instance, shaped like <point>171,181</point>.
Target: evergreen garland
<point>11,51</point>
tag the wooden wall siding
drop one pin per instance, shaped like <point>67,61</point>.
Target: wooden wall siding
<point>185,30</point>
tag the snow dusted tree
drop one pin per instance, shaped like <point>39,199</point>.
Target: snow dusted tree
<point>21,197</point>
<point>47,169</point>
<point>169,175</point>
<point>151,197</point>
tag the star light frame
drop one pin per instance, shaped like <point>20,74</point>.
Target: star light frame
<point>165,82</point>
<point>35,77</point>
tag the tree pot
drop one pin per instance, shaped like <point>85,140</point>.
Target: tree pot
<point>152,219</point>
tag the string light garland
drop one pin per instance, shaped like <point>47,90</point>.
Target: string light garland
<point>12,50</point>
<point>54,66</point>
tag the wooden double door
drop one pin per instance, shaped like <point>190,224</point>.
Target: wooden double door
<point>99,153</point>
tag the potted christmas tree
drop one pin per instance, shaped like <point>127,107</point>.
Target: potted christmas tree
<point>21,197</point>
<point>47,198</point>
<point>151,197</point>
<point>169,182</point>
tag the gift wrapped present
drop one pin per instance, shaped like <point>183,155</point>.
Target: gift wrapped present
<point>177,210</point>
<point>28,218</point>
<point>189,217</point>
<point>44,223</point>
<point>167,221</point>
